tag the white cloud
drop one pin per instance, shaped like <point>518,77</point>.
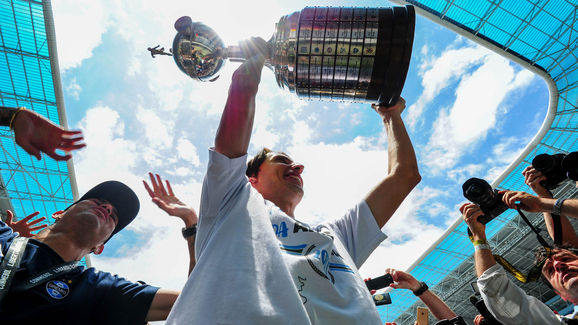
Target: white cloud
<point>104,135</point>
<point>503,154</point>
<point>79,26</point>
<point>73,89</point>
<point>438,72</point>
<point>337,177</point>
<point>408,237</point>
<point>479,95</point>
<point>187,151</point>
<point>158,131</point>
<point>460,174</point>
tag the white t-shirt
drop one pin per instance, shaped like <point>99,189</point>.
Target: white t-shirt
<point>509,303</point>
<point>256,265</point>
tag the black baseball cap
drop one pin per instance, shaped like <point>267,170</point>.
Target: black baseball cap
<point>122,197</point>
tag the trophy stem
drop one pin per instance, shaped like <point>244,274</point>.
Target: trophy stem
<point>234,54</point>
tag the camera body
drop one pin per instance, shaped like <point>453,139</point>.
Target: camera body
<point>556,168</point>
<point>489,319</point>
<point>379,282</point>
<point>480,192</point>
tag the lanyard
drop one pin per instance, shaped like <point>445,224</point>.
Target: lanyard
<point>46,275</point>
<point>11,263</point>
<point>540,239</point>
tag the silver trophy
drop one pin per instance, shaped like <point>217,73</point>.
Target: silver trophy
<point>320,53</point>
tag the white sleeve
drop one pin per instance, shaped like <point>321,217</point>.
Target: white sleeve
<point>359,232</point>
<point>224,177</point>
<point>509,303</point>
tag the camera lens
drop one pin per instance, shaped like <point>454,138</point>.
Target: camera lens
<point>551,167</point>
<point>544,163</point>
<point>479,192</point>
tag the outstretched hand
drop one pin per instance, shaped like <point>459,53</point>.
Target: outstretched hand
<point>35,134</point>
<point>166,200</point>
<point>403,280</point>
<point>23,227</point>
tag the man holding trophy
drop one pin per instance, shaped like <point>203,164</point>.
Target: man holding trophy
<point>256,264</point>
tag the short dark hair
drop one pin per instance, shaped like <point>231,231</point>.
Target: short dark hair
<point>255,163</point>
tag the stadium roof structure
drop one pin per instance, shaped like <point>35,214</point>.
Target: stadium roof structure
<point>542,36</point>
<point>30,77</point>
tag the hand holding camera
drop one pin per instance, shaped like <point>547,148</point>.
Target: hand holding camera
<point>556,168</point>
<point>471,213</point>
<point>523,200</point>
<point>489,200</point>
<point>403,280</point>
<point>534,179</point>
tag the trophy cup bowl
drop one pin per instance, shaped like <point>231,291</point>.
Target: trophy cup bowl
<point>319,53</point>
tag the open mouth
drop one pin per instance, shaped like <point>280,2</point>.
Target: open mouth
<point>294,179</point>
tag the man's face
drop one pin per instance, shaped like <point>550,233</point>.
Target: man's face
<point>561,270</point>
<point>279,174</point>
<point>94,219</point>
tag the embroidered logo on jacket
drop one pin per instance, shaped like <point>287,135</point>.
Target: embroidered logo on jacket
<point>57,289</point>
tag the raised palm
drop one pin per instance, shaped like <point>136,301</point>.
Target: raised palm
<point>166,200</point>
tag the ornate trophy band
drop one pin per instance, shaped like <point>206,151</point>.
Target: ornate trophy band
<point>320,53</point>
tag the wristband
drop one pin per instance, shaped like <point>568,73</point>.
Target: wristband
<point>20,109</point>
<point>557,208</point>
<point>423,288</point>
<point>188,232</point>
<point>479,242</point>
<point>482,246</point>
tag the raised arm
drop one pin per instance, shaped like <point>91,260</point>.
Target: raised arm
<point>36,134</point>
<point>533,203</point>
<point>405,280</point>
<point>236,124</point>
<point>532,178</point>
<point>403,174</point>
<point>483,257</point>
<point>166,200</point>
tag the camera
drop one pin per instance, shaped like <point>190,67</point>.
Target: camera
<point>556,168</point>
<point>489,319</point>
<point>379,282</point>
<point>478,191</point>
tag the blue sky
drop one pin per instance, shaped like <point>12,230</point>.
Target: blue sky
<point>470,113</point>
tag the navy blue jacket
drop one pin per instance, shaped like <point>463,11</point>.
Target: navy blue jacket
<point>82,296</point>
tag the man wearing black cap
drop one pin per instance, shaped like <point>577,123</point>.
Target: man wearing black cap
<point>50,287</point>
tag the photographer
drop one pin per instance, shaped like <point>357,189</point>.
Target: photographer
<point>438,308</point>
<point>545,203</point>
<point>506,301</point>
